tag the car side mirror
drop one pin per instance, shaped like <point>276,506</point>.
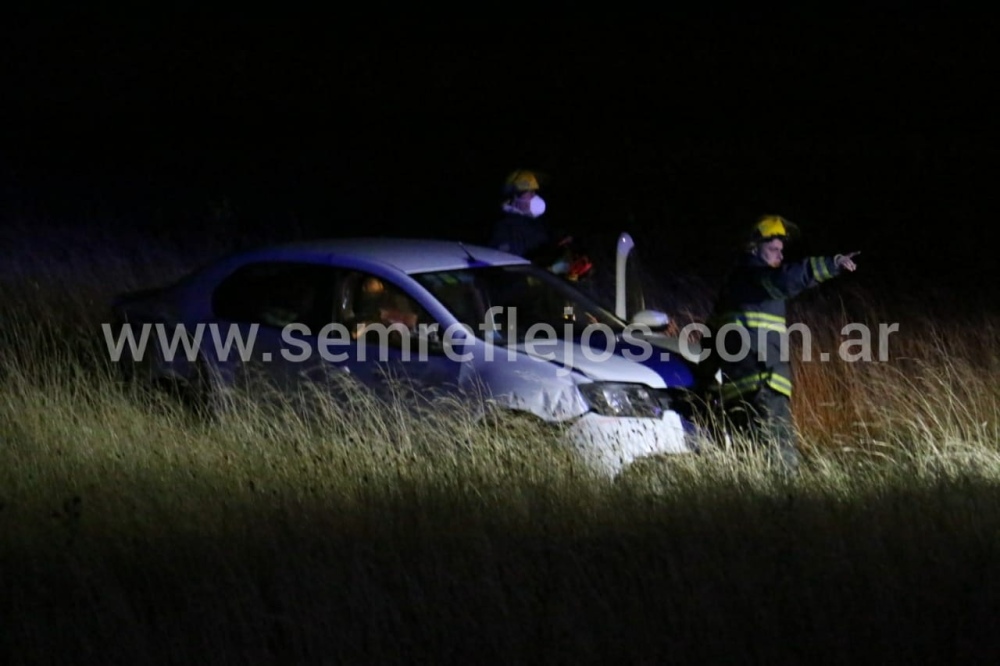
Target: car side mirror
<point>652,319</point>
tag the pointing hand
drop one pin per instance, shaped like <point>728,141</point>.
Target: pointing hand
<point>846,261</point>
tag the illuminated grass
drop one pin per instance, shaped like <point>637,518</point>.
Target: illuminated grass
<point>312,530</point>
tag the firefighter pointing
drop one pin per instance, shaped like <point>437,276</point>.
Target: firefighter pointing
<point>757,381</point>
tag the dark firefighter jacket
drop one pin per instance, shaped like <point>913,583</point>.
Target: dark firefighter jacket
<point>520,235</point>
<point>529,237</point>
<point>753,301</point>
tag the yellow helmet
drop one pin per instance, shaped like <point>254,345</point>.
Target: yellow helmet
<point>521,180</point>
<point>772,226</point>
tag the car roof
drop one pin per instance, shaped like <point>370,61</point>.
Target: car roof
<point>410,255</point>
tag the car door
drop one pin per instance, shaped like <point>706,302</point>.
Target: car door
<point>393,343</point>
<point>273,312</point>
<point>302,322</point>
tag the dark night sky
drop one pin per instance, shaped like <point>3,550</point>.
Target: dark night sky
<point>873,133</point>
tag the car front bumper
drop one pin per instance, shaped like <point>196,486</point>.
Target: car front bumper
<point>609,444</point>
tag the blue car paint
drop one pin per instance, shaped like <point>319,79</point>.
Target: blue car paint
<point>675,370</point>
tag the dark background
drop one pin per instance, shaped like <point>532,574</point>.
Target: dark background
<point>873,133</point>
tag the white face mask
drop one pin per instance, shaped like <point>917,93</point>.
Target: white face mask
<point>536,206</point>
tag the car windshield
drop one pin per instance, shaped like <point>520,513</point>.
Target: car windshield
<point>508,303</point>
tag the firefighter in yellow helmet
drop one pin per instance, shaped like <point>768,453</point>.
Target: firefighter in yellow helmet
<point>749,328</point>
<point>521,232</point>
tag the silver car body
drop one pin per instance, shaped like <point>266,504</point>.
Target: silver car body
<point>563,381</point>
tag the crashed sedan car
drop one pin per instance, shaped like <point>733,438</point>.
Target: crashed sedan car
<point>446,315</point>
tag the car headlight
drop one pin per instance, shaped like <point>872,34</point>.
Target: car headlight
<point>612,399</point>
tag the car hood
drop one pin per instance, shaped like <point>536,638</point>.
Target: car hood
<point>654,365</point>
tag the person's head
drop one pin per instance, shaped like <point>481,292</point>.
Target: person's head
<point>771,252</point>
<point>372,286</point>
<point>768,237</point>
<point>521,193</point>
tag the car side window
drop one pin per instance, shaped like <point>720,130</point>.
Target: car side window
<point>277,294</point>
<point>375,309</point>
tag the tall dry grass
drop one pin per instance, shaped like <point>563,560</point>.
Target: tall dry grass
<point>310,530</point>
<point>932,382</point>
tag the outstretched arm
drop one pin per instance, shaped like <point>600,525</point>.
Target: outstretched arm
<point>792,279</point>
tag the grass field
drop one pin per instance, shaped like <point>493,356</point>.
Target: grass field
<point>134,532</point>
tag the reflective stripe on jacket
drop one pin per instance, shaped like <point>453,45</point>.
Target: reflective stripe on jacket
<point>752,304</point>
